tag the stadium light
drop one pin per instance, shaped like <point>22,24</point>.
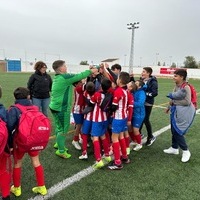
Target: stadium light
<point>132,26</point>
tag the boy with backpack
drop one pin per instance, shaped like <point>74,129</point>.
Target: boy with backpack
<point>24,119</point>
<point>5,162</point>
<point>182,112</point>
<point>61,102</point>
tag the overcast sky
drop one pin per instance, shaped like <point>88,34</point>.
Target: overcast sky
<point>94,30</point>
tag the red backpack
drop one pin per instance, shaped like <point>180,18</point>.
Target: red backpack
<point>33,131</point>
<point>193,94</point>
<point>3,136</point>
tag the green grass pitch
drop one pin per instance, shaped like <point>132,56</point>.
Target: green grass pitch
<point>151,175</point>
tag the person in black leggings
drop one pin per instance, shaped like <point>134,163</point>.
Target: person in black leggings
<point>151,89</point>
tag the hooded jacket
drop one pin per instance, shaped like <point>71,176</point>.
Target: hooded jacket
<point>182,110</point>
<point>151,89</point>
<point>139,100</point>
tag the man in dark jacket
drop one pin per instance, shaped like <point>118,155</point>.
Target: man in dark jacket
<point>151,89</point>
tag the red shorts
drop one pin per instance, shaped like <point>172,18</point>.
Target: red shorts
<point>18,155</point>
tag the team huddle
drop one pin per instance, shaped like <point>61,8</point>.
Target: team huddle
<point>109,108</point>
<point>103,109</point>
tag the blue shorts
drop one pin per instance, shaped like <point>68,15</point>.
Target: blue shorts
<point>87,127</point>
<point>78,118</point>
<point>99,128</point>
<point>119,125</point>
<point>137,122</point>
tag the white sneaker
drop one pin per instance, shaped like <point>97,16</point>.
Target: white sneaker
<point>76,145</point>
<point>171,150</point>
<point>186,156</point>
<point>83,157</point>
<point>137,147</point>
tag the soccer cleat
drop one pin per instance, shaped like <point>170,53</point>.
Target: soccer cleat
<point>16,190</point>
<point>40,190</point>
<point>83,157</point>
<point>98,165</point>
<point>186,156</point>
<point>64,155</point>
<point>114,166</point>
<point>171,150</point>
<point>150,141</point>
<point>125,160</point>
<point>137,147</point>
<point>107,159</point>
<point>76,145</point>
<point>55,146</point>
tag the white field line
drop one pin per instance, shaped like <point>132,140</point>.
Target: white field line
<point>155,106</point>
<point>65,183</point>
<point>82,174</point>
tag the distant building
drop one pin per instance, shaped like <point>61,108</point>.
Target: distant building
<point>3,66</point>
<point>111,61</point>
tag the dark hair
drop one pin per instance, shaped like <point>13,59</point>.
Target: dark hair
<point>116,66</point>
<point>39,65</point>
<point>21,93</point>
<point>181,72</point>
<point>105,84</point>
<point>58,63</point>
<point>90,88</point>
<point>141,83</point>
<point>148,70</point>
<point>0,91</point>
<point>124,77</point>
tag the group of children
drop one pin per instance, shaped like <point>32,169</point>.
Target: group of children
<point>110,110</point>
<point>103,109</point>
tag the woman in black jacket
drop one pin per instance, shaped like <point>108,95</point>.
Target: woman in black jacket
<point>39,85</point>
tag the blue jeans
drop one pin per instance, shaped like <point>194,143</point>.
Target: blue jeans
<point>42,104</point>
<point>178,140</point>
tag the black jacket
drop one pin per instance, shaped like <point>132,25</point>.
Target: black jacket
<point>40,85</point>
<point>151,89</point>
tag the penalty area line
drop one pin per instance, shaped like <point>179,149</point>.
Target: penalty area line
<point>80,175</point>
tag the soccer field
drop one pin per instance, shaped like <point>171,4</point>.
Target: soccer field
<point>151,175</point>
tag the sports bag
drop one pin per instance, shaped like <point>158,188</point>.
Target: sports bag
<point>193,93</point>
<point>33,130</point>
<point>3,136</point>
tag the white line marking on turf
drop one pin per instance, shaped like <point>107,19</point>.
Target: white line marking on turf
<point>82,174</point>
<point>159,106</point>
<point>65,183</point>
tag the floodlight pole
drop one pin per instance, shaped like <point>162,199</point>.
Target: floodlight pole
<point>132,26</point>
